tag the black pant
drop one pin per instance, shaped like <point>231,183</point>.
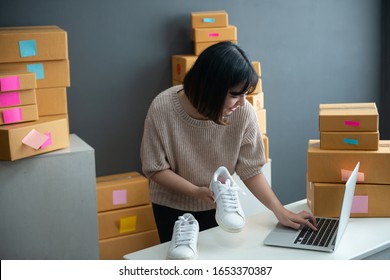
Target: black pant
<point>166,217</point>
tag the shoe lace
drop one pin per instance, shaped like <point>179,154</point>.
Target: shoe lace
<point>186,231</point>
<point>229,196</point>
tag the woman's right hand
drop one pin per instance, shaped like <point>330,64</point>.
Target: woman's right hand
<point>204,193</point>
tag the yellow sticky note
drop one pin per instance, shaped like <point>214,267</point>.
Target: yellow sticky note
<point>128,224</point>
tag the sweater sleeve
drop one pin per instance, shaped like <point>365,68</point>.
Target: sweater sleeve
<point>153,157</point>
<point>251,156</point>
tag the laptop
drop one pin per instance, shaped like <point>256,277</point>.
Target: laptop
<point>330,230</point>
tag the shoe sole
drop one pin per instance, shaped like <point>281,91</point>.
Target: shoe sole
<point>232,230</point>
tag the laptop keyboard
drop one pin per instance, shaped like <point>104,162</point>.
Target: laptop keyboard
<point>321,237</point>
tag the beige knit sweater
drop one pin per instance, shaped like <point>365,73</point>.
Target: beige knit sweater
<point>194,149</point>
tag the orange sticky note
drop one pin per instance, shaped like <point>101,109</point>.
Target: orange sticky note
<point>128,224</point>
<point>346,173</point>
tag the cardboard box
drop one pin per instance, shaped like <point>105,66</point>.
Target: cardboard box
<point>33,43</point>
<point>256,99</point>
<point>333,166</point>
<point>121,191</point>
<point>199,47</point>
<point>181,64</point>
<point>349,140</point>
<point>125,221</point>
<point>18,98</point>
<point>262,120</point>
<point>256,66</point>
<point>209,19</point>
<point>52,101</point>
<point>53,73</point>
<point>16,80</point>
<point>214,34</point>
<point>325,199</point>
<point>266,146</point>
<point>12,115</point>
<point>12,148</point>
<point>117,247</point>
<point>348,117</point>
<point>259,87</point>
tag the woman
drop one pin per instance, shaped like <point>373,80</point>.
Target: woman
<point>193,129</point>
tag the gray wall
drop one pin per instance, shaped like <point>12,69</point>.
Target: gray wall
<point>311,52</point>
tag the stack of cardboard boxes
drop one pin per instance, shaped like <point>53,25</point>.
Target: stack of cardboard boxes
<point>348,134</point>
<point>209,28</point>
<point>125,215</point>
<point>34,74</point>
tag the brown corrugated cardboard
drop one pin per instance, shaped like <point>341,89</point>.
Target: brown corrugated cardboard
<point>181,64</point>
<point>256,99</point>
<point>12,148</point>
<point>52,101</point>
<point>199,47</point>
<point>228,33</point>
<point>209,19</point>
<point>266,146</point>
<point>32,43</point>
<point>126,221</point>
<point>348,117</point>
<point>19,114</point>
<point>325,199</point>
<point>23,80</point>
<point>259,87</point>
<point>262,120</point>
<point>121,191</point>
<point>349,140</point>
<point>117,247</point>
<point>54,73</point>
<point>119,176</point>
<point>327,166</point>
<point>256,66</point>
<point>23,97</point>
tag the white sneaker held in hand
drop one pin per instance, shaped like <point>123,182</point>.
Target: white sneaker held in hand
<point>184,241</point>
<point>229,214</point>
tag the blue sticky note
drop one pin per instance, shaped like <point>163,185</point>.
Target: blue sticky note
<point>27,48</point>
<point>351,141</point>
<point>36,68</point>
<point>209,20</point>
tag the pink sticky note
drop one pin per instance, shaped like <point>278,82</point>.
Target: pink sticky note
<point>48,142</point>
<point>119,197</point>
<point>34,139</point>
<point>9,99</point>
<point>346,173</point>
<point>360,204</point>
<point>9,83</point>
<point>12,115</point>
<point>352,123</point>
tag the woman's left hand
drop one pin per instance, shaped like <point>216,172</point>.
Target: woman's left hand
<point>293,220</point>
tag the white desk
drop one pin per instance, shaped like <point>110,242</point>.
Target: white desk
<point>218,244</point>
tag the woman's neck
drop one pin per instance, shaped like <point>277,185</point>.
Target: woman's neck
<point>188,107</point>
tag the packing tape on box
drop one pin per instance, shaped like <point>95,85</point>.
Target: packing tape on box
<point>128,224</point>
<point>9,83</point>
<point>351,141</point>
<point>346,173</point>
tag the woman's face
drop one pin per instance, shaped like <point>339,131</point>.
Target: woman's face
<point>233,101</point>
